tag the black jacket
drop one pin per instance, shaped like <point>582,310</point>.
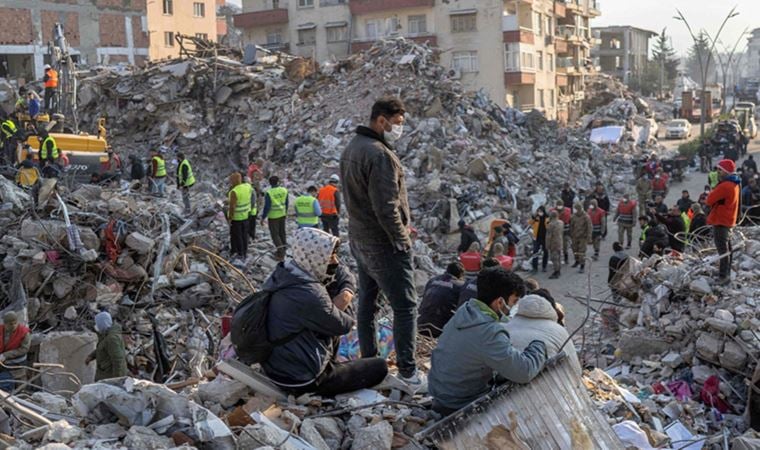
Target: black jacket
<point>698,229</point>
<point>467,291</point>
<point>137,171</point>
<point>301,305</point>
<point>439,302</point>
<point>466,239</point>
<point>675,225</point>
<point>616,262</point>
<point>568,197</point>
<point>655,235</point>
<point>602,200</point>
<point>684,204</point>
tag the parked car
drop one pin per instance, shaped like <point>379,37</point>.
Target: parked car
<point>678,129</point>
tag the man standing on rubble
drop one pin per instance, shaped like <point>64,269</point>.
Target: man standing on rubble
<point>580,233</point>
<point>275,211</point>
<point>378,227</point>
<point>238,215</point>
<point>329,202</point>
<point>724,208</point>
<point>626,211</point>
<point>643,191</point>
<point>603,202</point>
<point>568,196</point>
<point>596,214</point>
<point>475,346</point>
<point>15,342</point>
<point>51,89</point>
<point>158,173</point>
<point>185,180</point>
<point>565,214</point>
<point>307,209</point>
<point>109,355</point>
<point>554,237</point>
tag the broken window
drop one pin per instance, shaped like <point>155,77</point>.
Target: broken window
<point>463,23</point>
<point>199,9</point>
<point>169,39</point>
<point>169,7</point>
<point>337,34</point>
<point>417,25</point>
<point>307,37</point>
<point>466,61</point>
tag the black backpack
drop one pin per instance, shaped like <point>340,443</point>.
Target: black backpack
<point>249,329</point>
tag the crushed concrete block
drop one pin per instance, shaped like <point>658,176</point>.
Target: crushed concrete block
<point>633,344</point>
<point>701,285</point>
<point>723,326</point>
<point>145,438</point>
<point>254,436</point>
<point>330,431</point>
<point>69,348</point>
<point>117,205</point>
<point>63,285</point>
<point>311,435</point>
<point>224,391</point>
<point>672,360</point>
<point>733,356</point>
<point>51,402</point>
<point>109,431</point>
<point>709,346</point>
<point>724,315</point>
<point>140,243</point>
<point>375,437</point>
<point>62,432</point>
<point>70,313</point>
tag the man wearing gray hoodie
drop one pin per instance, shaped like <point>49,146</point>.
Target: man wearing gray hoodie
<point>475,351</point>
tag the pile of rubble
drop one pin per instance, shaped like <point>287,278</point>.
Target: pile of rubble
<point>684,352</point>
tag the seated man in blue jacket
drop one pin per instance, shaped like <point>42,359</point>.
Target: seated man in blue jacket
<point>474,350</point>
<point>310,296</point>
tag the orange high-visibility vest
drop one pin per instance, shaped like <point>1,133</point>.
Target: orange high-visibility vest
<point>52,81</point>
<point>326,199</point>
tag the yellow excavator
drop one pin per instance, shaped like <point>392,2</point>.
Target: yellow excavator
<point>85,153</point>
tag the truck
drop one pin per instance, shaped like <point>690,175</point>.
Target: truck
<point>745,115</point>
<point>747,89</point>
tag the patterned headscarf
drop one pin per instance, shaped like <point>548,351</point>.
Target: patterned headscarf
<point>312,251</point>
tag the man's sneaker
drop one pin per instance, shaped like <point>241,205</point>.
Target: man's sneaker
<point>417,382</point>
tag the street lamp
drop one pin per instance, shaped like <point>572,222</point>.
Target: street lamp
<point>704,66</point>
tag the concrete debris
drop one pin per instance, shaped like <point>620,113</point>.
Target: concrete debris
<point>375,437</point>
<point>62,432</point>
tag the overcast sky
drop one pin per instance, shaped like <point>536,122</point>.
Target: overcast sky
<point>654,15</point>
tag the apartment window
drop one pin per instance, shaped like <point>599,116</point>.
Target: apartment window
<point>337,34</point>
<point>540,59</point>
<point>550,61</point>
<point>617,63</point>
<point>275,4</point>
<point>274,37</point>
<point>551,98</point>
<point>527,60</point>
<point>305,3</point>
<point>392,25</point>
<point>169,39</point>
<point>169,7</point>
<point>307,37</point>
<point>462,23</point>
<point>372,29</point>
<point>511,57</point>
<point>417,25</point>
<point>199,9</point>
<point>202,36</point>
<point>549,26</point>
<point>465,61</point>
<point>538,23</point>
<point>541,100</point>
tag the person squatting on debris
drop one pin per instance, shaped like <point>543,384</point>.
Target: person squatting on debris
<point>158,174</point>
<point>275,212</point>
<point>475,346</point>
<point>466,236</point>
<point>439,300</point>
<point>378,210</point>
<point>329,203</point>
<point>109,355</point>
<point>472,259</point>
<point>15,342</point>
<point>724,208</point>
<point>675,226</point>
<point>624,216</point>
<point>580,234</point>
<point>28,176</point>
<point>239,211</point>
<point>554,244</point>
<point>308,209</point>
<point>185,180</point>
<point>310,317</point>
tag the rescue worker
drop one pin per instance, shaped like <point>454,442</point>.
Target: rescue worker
<point>275,210</point>
<point>33,104</point>
<point>564,213</point>
<point>659,185</point>
<point>580,233</point>
<point>472,259</point>
<point>329,202</point>
<point>253,216</point>
<point>28,176</point>
<point>308,210</point>
<point>643,191</point>
<point>109,355</point>
<point>554,237</point>
<point>624,216</point>
<point>596,214</point>
<point>51,89</point>
<point>675,227</point>
<point>724,208</point>
<point>49,154</point>
<point>158,173</point>
<point>15,342</point>
<point>185,180</point>
<point>603,202</point>
<point>111,167</point>
<point>684,203</point>
<point>644,225</point>
<point>439,300</point>
<point>11,137</point>
<point>238,215</point>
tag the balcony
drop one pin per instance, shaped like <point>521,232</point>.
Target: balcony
<point>361,44</point>
<point>595,8</point>
<point>261,18</point>
<point>560,9</point>
<point>561,80</point>
<point>566,66</point>
<point>374,6</point>
<point>512,32</point>
<point>573,6</point>
<point>519,78</point>
<point>560,45</point>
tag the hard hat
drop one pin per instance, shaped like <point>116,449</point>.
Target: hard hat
<point>335,178</point>
<point>47,66</point>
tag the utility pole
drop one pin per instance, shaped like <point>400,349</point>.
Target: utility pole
<point>704,63</point>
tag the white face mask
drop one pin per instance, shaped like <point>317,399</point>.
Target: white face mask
<point>395,134</point>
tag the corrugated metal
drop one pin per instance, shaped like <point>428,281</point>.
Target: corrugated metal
<point>545,412</point>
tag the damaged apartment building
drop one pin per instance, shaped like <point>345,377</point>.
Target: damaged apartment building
<point>98,31</point>
<point>529,54</point>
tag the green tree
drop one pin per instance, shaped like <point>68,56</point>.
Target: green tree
<point>665,59</point>
<point>699,51</point>
<point>648,81</point>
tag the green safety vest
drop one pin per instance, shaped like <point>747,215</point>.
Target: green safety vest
<point>9,128</point>
<point>190,180</point>
<point>243,205</point>
<point>644,233</point>
<point>277,197</point>
<point>160,167</point>
<point>305,214</point>
<point>254,207</point>
<point>44,149</point>
<point>712,178</point>
<point>686,222</point>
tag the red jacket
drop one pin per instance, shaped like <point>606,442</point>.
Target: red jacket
<point>505,261</point>
<point>724,202</point>
<point>660,185</point>
<point>596,215</point>
<point>15,340</point>
<point>470,261</point>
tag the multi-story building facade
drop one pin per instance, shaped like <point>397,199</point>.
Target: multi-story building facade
<point>167,18</point>
<point>622,51</point>
<point>750,63</point>
<point>98,31</point>
<point>524,53</point>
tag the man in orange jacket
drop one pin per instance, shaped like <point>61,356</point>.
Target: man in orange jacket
<point>51,89</point>
<point>724,207</point>
<point>329,202</point>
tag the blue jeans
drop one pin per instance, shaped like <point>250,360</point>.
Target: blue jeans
<point>539,246</point>
<point>6,381</point>
<point>380,268</point>
<point>158,186</point>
